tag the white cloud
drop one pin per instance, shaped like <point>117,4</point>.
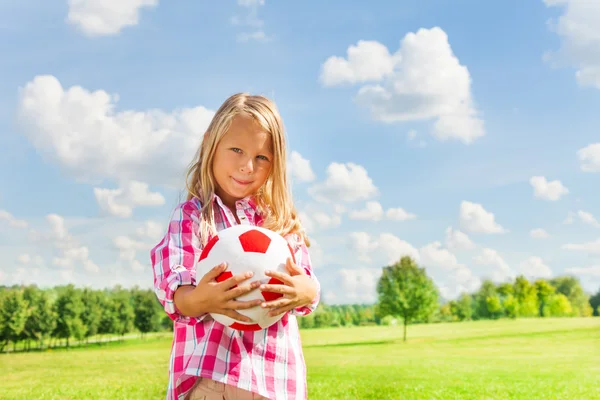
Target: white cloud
<point>547,190</point>
<point>71,253</point>
<point>367,61</point>
<point>151,230</point>
<point>388,247</point>
<point>359,284</point>
<point>105,17</point>
<point>539,233</point>
<point>458,240</point>
<point>474,218</point>
<point>588,218</point>
<point>423,80</point>
<point>584,216</point>
<point>451,277</point>
<point>121,202</point>
<point>27,259</point>
<point>345,182</point>
<point>399,214</point>
<point>325,220</point>
<point>501,270</point>
<point>11,220</point>
<point>252,21</point>
<point>317,220</point>
<point>579,30</point>
<point>589,158</point>
<point>83,133</point>
<point>412,138</point>
<point>434,254</point>
<point>128,249</point>
<point>534,267</point>
<point>591,248</point>
<point>592,272</point>
<point>300,168</point>
<point>373,211</point>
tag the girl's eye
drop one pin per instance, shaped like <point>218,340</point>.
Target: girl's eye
<point>263,158</point>
<point>236,150</point>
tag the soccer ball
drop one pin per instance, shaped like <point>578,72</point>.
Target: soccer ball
<point>247,248</point>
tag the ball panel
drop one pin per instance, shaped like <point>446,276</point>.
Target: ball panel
<point>209,247</point>
<point>270,296</point>
<point>255,241</point>
<point>245,327</point>
<point>223,276</point>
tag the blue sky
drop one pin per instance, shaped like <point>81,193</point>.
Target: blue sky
<point>101,107</point>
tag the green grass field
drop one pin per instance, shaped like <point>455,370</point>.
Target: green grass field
<point>524,359</point>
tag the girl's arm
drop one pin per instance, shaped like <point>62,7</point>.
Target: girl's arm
<point>174,259</point>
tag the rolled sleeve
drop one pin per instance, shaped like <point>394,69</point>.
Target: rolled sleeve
<point>174,259</point>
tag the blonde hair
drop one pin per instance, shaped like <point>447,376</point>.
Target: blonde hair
<point>273,199</point>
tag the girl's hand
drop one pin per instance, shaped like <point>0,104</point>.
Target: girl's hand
<point>210,296</point>
<point>298,289</point>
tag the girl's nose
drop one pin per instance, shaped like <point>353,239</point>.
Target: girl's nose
<point>248,166</point>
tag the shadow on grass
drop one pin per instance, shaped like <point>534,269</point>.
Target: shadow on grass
<point>352,344</point>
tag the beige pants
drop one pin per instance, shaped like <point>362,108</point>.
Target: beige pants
<point>208,389</point>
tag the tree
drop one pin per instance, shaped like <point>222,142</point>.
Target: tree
<point>526,296</point>
<point>464,307</point>
<point>559,306</point>
<point>595,303</point>
<point>147,317</point>
<point>571,287</point>
<point>494,306</point>
<point>486,291</point>
<point>92,311</point>
<point>544,292</point>
<point>405,290</point>
<point>68,308</point>
<point>13,315</point>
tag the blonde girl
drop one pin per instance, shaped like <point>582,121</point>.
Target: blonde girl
<point>238,176</point>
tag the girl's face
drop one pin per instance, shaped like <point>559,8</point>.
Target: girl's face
<point>242,160</point>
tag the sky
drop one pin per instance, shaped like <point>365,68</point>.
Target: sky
<point>464,134</point>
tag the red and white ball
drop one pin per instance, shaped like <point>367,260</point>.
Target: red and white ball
<point>247,248</point>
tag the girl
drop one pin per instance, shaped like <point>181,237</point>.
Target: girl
<point>238,176</point>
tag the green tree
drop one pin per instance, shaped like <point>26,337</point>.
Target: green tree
<point>558,305</point>
<point>571,287</point>
<point>526,296</point>
<point>147,316</point>
<point>595,303</point>
<point>69,308</point>
<point>464,307</point>
<point>544,292</point>
<point>494,307</point>
<point>123,309</point>
<point>46,317</point>
<point>511,306</point>
<point>13,315</point>
<point>486,290</point>
<point>405,290</point>
<point>92,311</point>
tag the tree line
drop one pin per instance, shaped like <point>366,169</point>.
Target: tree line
<point>32,316</point>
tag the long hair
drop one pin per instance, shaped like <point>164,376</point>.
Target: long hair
<point>274,198</point>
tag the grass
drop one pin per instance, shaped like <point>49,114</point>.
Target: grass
<point>522,359</point>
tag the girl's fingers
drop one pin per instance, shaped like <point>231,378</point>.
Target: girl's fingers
<point>285,278</point>
<point>283,289</point>
<point>276,303</point>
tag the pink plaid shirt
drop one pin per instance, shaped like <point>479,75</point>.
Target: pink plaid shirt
<point>269,362</point>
